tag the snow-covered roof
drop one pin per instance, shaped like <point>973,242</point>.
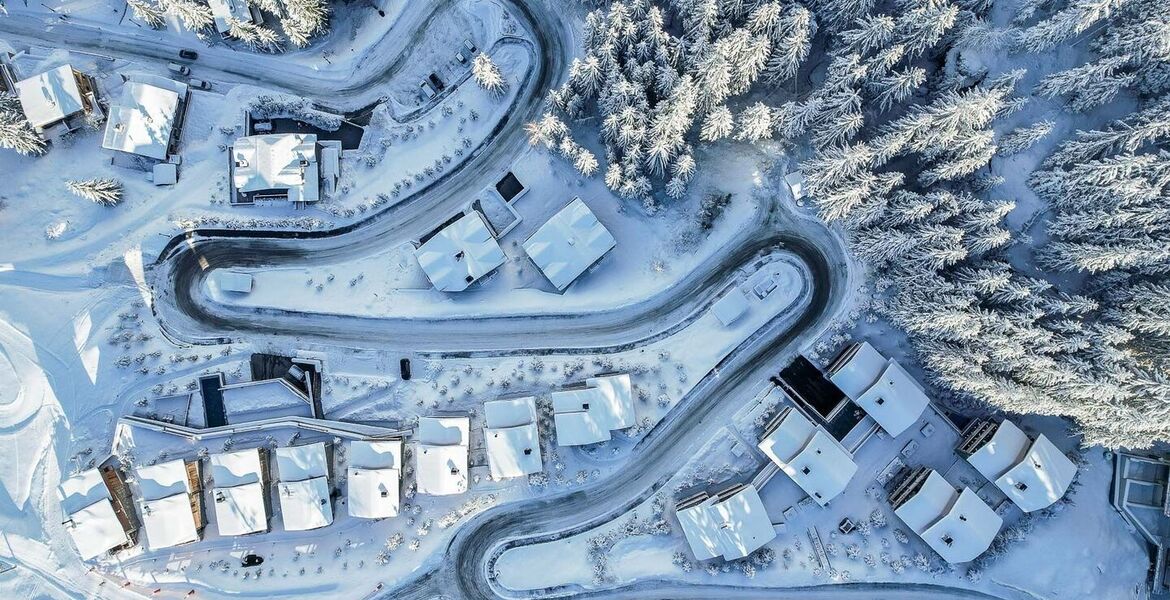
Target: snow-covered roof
<point>441,470</point>
<point>795,183</point>
<point>81,490</point>
<point>1002,452</point>
<point>264,399</point>
<point>297,463</point>
<point>240,509</point>
<point>373,493</point>
<point>441,459</point>
<point>460,253</point>
<point>50,96</point>
<point>959,527</point>
<point>227,280</point>
<point>811,457</point>
<point>588,415</point>
<point>164,174</point>
<point>894,400</point>
<point>142,121</point>
<point>731,306</point>
<point>569,243</point>
<point>236,468</point>
<point>374,478</point>
<point>732,527</point>
<point>859,371</point>
<point>380,454</point>
<point>278,162</point>
<point>225,10</point>
<point>163,479</point>
<point>511,437</point>
<point>305,504</point>
<point>168,521</point>
<point>96,529</point>
<point>1040,478</point>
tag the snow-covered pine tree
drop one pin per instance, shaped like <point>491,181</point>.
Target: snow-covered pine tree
<point>15,131</point>
<point>148,12</point>
<point>1089,85</point>
<point>102,190</point>
<point>1022,138</point>
<point>255,36</point>
<point>487,74</point>
<point>195,15</point>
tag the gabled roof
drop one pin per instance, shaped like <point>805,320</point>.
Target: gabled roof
<point>240,509</point>
<point>732,524</point>
<point>81,490</point>
<point>569,243</point>
<point>859,372</point>
<point>96,529</point>
<point>959,527</point>
<point>379,454</point>
<point>241,467</point>
<point>441,458</point>
<point>459,254</point>
<point>894,400</point>
<point>298,463</point>
<point>305,504</point>
<point>373,493</point>
<point>1041,478</point>
<point>588,415</point>
<point>811,457</point>
<point>510,412</point>
<point>282,162</point>
<point>168,521</point>
<point>50,96</point>
<point>512,438</point>
<point>1003,451</point>
<point>163,479</point>
<point>142,121</point>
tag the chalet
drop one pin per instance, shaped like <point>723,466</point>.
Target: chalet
<point>1032,473</point>
<point>442,456</point>
<point>145,121</point>
<point>97,519</point>
<point>812,458</point>
<point>240,491</point>
<point>512,438</point>
<point>731,524</point>
<point>959,526</point>
<point>304,486</point>
<point>588,413</point>
<point>283,166</point>
<point>170,503</point>
<point>568,244</point>
<point>54,99</point>
<point>374,477</point>
<point>460,253</point>
<point>879,386</point>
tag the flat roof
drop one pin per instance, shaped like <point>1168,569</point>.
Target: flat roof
<point>240,510</point>
<point>168,521</point>
<point>732,528</point>
<point>860,371</point>
<point>163,479</point>
<point>731,306</point>
<point>241,467</point>
<point>373,493</point>
<point>1003,451</point>
<point>1040,478</point>
<point>444,431</point>
<point>298,463</point>
<point>305,504</point>
<point>441,470</point>
<point>569,243</point>
<point>894,400</point>
<point>381,454</point>
<point>95,529</point>
<point>143,120</point>
<point>264,399</point>
<point>460,253</point>
<point>513,451</point>
<point>50,96</point>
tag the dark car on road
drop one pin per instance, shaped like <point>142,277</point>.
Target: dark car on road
<point>188,54</point>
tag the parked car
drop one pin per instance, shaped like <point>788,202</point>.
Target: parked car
<point>404,368</point>
<point>470,47</point>
<point>459,57</point>
<point>200,84</point>
<point>427,90</point>
<point>188,54</point>
<point>179,69</point>
<point>262,126</point>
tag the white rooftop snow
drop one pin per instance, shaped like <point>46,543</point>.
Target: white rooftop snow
<point>96,529</point>
<point>895,401</point>
<point>460,253</point>
<point>239,492</point>
<point>264,399</point>
<point>441,460</point>
<point>93,523</point>
<point>731,306</point>
<point>569,243</point>
<point>731,528</point>
<point>50,96</point>
<point>143,120</point>
<point>1003,451</point>
<point>278,162</point>
<point>374,477</point>
<point>959,527</point>
<point>297,463</point>
<point>1041,478</point>
<point>168,521</point>
<point>588,415</point>
<point>163,479</point>
<point>860,371</point>
<point>511,437</point>
<point>225,11</point>
<point>228,280</point>
<point>811,457</point>
<point>304,504</point>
